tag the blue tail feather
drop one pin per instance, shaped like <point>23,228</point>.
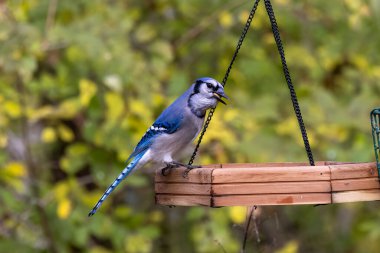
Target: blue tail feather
<point>116,182</point>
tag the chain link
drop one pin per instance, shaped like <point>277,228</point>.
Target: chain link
<point>212,110</point>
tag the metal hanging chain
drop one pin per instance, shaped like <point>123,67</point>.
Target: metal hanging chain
<point>211,112</point>
<point>293,95</point>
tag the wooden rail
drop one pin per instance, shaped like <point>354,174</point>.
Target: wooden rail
<point>269,184</point>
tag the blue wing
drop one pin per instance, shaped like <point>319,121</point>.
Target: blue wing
<point>168,122</point>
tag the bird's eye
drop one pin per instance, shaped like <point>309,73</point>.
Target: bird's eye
<point>209,85</point>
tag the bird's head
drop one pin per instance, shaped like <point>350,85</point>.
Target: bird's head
<point>207,92</point>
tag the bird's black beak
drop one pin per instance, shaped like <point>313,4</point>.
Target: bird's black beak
<point>219,95</point>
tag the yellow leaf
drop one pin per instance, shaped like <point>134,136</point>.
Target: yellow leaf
<point>48,135</point>
<point>123,154</point>
<point>219,131</point>
<point>293,53</point>
<point>158,99</point>
<point>122,212</point>
<point>115,105</point>
<point>231,115</point>
<point>87,91</point>
<point>15,169</point>
<point>22,10</point>
<point>64,208</point>
<point>65,133</point>
<point>13,174</point>
<point>68,108</point>
<point>137,244</point>
<point>78,149</point>
<point>40,113</point>
<point>361,62</point>
<point>290,247</point>
<point>61,190</point>
<point>64,163</point>
<point>237,214</point>
<point>225,19</point>
<point>288,126</point>
<point>333,131</point>
<point>137,106</point>
<point>12,109</point>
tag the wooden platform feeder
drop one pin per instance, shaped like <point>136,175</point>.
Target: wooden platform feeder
<point>272,183</point>
<point>269,184</point>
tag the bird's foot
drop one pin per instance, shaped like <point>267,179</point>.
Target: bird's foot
<point>172,165</point>
<point>169,166</point>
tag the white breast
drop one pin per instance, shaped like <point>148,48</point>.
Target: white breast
<point>168,146</point>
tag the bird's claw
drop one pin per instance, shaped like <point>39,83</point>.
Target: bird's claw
<point>166,171</point>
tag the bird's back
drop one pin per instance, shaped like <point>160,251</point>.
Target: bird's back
<point>175,112</point>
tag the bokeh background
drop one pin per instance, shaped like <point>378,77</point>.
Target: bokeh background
<point>81,81</point>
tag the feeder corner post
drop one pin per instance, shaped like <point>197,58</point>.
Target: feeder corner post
<point>375,123</point>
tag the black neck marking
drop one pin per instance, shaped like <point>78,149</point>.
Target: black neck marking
<point>197,86</point>
<point>199,113</point>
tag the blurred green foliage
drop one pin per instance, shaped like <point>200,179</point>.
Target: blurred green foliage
<point>80,82</point>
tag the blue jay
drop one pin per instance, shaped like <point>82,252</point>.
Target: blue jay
<point>174,129</point>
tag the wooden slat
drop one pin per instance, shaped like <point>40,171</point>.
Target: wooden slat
<point>272,199</point>
<point>271,174</point>
<point>279,164</point>
<point>339,163</point>
<point>354,196</point>
<point>183,200</point>
<point>200,176</point>
<point>272,187</point>
<point>358,170</point>
<point>355,184</point>
<point>212,166</point>
<point>183,188</point>
<point>264,165</point>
